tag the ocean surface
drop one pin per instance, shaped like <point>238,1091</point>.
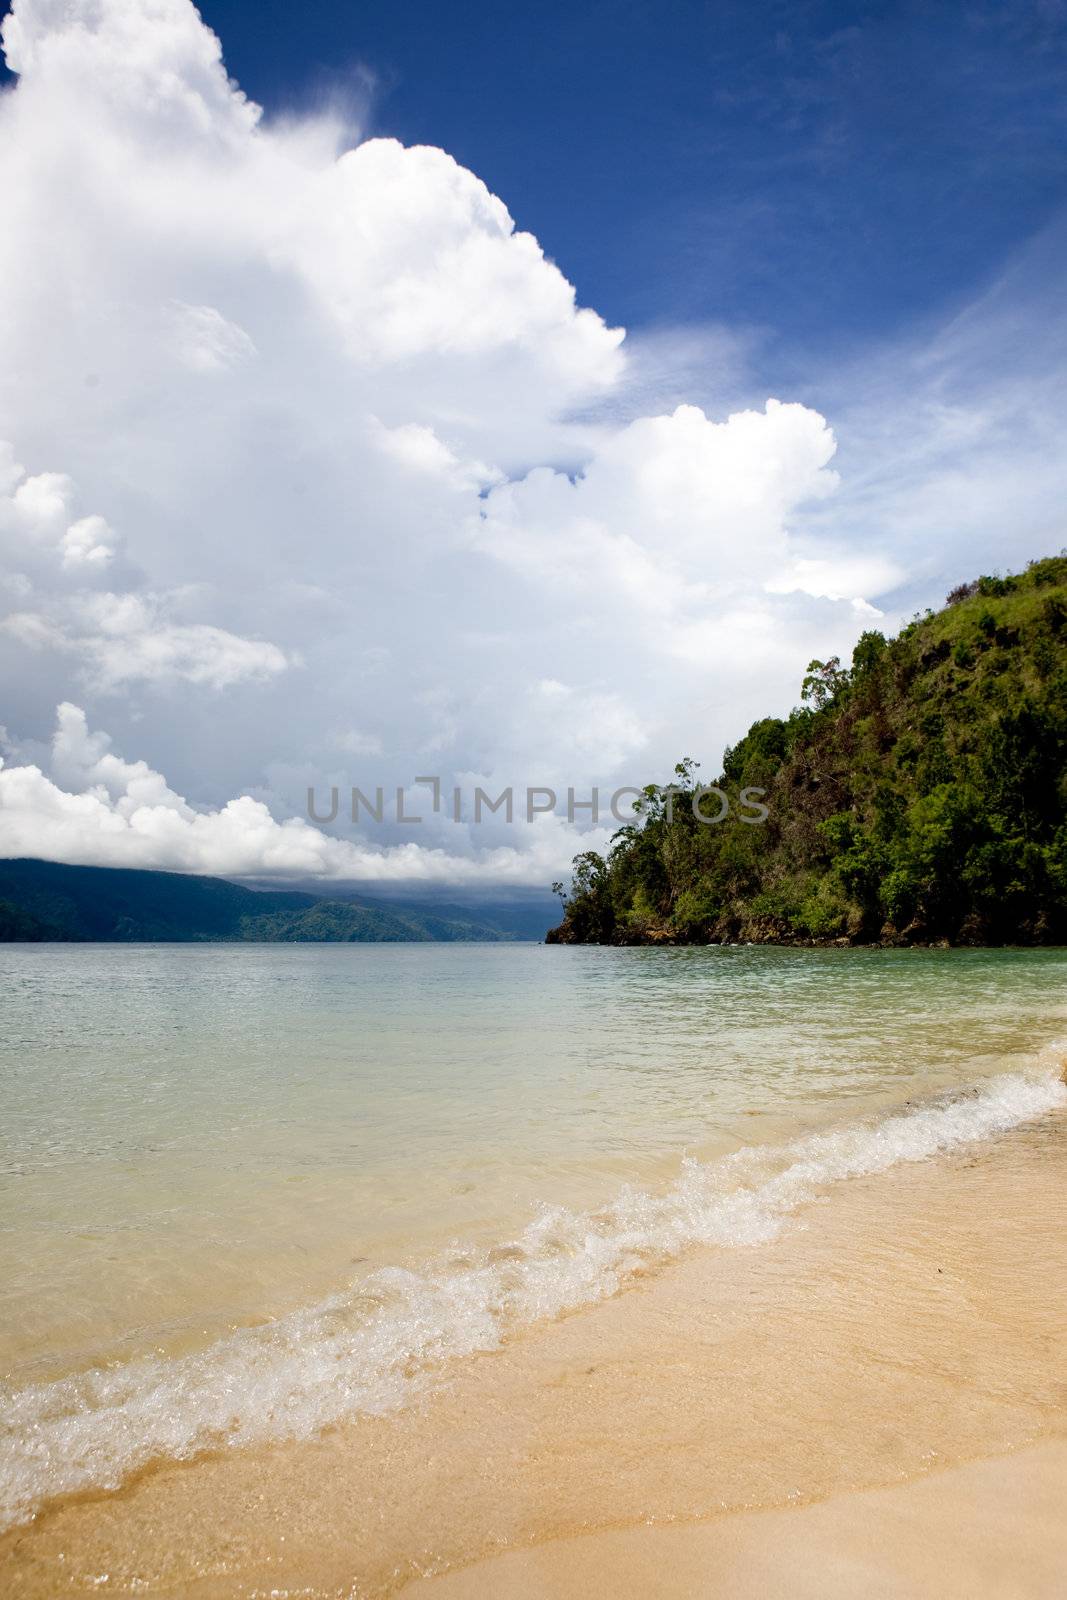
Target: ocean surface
<point>247,1192</point>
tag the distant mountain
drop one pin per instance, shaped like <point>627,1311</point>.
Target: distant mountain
<point>918,796</point>
<point>44,900</point>
<point>513,914</point>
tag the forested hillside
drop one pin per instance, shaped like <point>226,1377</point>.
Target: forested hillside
<point>916,796</point>
<point>45,900</point>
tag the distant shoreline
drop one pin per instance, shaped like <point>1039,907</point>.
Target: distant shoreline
<point>668,941</point>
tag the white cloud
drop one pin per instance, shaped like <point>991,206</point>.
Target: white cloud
<point>416,446</point>
<point>118,638</point>
<point>669,509</point>
<point>89,542</point>
<point>205,342</point>
<point>319,401</point>
<point>97,809</point>
<point>125,638</point>
<point>412,255</point>
<point>839,579</point>
<point>38,527</point>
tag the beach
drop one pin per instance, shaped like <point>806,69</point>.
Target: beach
<point>988,1528</point>
<point>834,1339</point>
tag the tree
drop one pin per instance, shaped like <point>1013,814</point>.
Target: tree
<point>823,682</point>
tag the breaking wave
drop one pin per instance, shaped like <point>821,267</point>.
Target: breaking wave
<point>366,1350</point>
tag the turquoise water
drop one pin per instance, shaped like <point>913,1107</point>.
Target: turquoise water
<point>202,1140</point>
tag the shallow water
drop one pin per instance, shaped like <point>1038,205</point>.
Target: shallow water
<point>249,1191</point>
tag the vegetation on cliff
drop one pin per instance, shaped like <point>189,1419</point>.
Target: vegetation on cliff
<point>918,796</point>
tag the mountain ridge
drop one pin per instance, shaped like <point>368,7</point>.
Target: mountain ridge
<point>45,901</point>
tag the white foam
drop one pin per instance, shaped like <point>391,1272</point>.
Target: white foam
<point>366,1350</point>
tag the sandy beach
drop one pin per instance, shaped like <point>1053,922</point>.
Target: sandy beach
<point>989,1528</point>
<point>871,1403</point>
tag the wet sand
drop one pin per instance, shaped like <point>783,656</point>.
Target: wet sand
<point>818,1410</point>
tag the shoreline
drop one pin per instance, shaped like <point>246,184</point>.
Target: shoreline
<point>387,1338</point>
<point>664,938</point>
<point>906,1323</point>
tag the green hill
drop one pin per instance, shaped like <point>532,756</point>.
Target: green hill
<point>45,900</point>
<point>918,796</point>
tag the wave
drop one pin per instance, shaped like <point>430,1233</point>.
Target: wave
<point>366,1351</point>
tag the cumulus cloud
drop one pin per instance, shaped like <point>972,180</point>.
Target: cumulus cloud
<point>97,809</point>
<point>36,517</point>
<point>89,542</point>
<point>670,509</point>
<point>125,638</point>
<point>319,403</point>
<point>117,638</point>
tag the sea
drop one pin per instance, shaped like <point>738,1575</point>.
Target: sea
<point>251,1192</point>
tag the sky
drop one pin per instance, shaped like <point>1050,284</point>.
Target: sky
<point>820,171</point>
<point>517,396</point>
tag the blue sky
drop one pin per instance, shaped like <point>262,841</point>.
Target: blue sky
<point>824,172</point>
<point>314,471</point>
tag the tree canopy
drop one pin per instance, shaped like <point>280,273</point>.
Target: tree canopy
<point>917,796</point>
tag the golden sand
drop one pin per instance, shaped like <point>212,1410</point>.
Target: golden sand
<point>991,1528</point>
<point>907,1325</point>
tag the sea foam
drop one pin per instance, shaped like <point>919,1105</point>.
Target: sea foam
<point>368,1349</point>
